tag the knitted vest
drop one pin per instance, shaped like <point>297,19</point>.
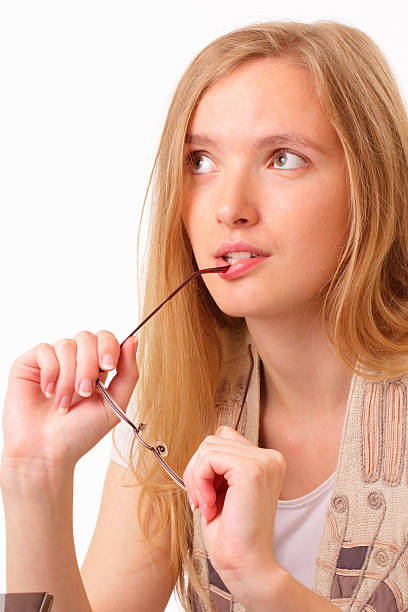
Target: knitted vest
<point>362,562</point>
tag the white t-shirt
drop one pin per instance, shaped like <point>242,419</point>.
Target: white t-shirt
<point>299,522</point>
<point>299,525</point>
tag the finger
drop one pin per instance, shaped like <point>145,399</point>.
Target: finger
<point>208,467</point>
<point>231,434</point>
<point>203,493</point>
<point>123,383</point>
<point>108,350</point>
<point>189,481</point>
<point>65,350</point>
<point>46,360</point>
<point>87,368</point>
<point>227,466</point>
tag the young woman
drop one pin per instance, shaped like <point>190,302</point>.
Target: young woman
<point>283,161</point>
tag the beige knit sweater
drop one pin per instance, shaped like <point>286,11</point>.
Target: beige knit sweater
<point>362,563</point>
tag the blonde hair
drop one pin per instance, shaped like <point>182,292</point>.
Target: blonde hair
<point>365,304</point>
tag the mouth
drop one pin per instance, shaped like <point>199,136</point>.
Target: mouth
<point>239,250</point>
<point>239,263</point>
<point>241,256</point>
<point>234,256</point>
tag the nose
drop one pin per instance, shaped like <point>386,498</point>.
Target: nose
<point>236,202</point>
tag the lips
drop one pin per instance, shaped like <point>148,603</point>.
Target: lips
<point>240,267</point>
<point>239,246</point>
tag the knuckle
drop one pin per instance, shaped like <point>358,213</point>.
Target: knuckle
<point>204,447</point>
<point>43,347</point>
<point>107,336</point>
<point>256,470</point>
<point>276,460</point>
<point>64,343</point>
<point>107,342</point>
<point>105,332</point>
<point>84,334</point>
<point>51,370</point>
<point>282,462</point>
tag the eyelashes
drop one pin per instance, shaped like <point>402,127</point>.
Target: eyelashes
<point>189,161</point>
<point>284,155</point>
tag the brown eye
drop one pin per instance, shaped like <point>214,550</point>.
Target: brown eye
<point>288,161</point>
<point>281,159</point>
<point>196,161</point>
<point>199,163</point>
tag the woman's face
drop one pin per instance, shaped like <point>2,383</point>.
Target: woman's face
<point>285,197</point>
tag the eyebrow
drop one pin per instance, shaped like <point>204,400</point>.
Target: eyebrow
<point>262,143</point>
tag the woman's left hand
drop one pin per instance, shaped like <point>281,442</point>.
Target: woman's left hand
<point>236,485</point>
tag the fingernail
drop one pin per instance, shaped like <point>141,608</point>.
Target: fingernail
<point>190,501</point>
<point>64,404</point>
<point>108,361</point>
<point>49,392</point>
<point>85,388</point>
<point>221,429</point>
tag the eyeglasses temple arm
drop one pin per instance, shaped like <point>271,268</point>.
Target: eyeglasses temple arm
<point>251,367</point>
<point>116,408</point>
<point>183,284</point>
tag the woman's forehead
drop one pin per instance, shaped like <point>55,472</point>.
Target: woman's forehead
<point>262,97</point>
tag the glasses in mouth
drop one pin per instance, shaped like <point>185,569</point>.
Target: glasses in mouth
<point>159,449</point>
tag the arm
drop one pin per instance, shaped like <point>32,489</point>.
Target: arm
<point>282,593</point>
<point>117,571</point>
<point>40,552</point>
<point>41,448</point>
<point>116,574</point>
<point>236,485</point>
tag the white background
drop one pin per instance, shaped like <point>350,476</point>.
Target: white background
<point>84,90</point>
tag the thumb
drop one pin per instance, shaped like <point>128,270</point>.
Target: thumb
<point>123,383</point>
<point>231,434</point>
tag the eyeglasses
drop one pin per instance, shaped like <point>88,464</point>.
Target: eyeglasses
<point>159,449</point>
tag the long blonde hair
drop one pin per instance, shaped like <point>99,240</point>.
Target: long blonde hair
<point>365,305</point>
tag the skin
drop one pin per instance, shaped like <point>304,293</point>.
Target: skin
<point>295,208</point>
<point>299,215</point>
<point>36,433</point>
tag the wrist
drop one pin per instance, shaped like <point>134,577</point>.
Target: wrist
<point>264,590</point>
<point>286,593</point>
<point>33,477</point>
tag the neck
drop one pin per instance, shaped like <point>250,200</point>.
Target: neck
<point>301,375</point>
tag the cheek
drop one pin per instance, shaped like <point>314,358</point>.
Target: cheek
<point>197,230</point>
<point>315,229</point>
<point>196,208</point>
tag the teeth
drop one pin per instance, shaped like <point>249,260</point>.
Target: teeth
<point>235,256</point>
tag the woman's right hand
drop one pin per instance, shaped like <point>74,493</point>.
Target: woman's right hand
<point>36,434</point>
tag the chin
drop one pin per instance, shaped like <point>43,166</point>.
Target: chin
<point>236,309</point>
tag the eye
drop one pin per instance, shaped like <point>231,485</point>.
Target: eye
<point>198,162</point>
<point>286,160</point>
